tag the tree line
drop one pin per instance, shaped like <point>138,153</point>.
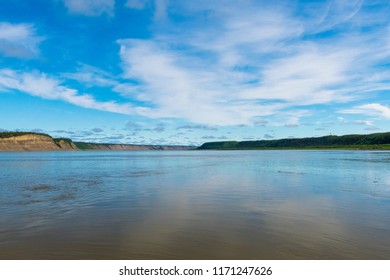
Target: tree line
<point>375,140</point>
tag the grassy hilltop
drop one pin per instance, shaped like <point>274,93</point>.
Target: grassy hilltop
<point>8,134</point>
<point>353,141</point>
<point>38,144</point>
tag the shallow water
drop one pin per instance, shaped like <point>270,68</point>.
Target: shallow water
<point>195,205</point>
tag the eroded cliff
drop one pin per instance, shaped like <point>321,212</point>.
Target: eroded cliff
<point>24,141</point>
<point>34,142</point>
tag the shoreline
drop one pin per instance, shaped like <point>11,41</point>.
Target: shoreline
<point>197,149</point>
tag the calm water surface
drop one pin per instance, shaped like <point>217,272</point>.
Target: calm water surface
<point>195,205</point>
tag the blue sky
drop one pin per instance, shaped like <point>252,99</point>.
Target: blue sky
<point>188,72</point>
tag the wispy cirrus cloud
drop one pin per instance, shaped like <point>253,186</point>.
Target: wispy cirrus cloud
<point>41,85</point>
<point>19,40</point>
<point>160,7</point>
<point>255,60</point>
<point>211,64</point>
<point>91,76</point>
<point>330,15</point>
<point>372,109</point>
<point>312,76</point>
<point>90,7</point>
<point>180,91</point>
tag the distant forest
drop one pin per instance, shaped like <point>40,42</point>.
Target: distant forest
<point>354,141</point>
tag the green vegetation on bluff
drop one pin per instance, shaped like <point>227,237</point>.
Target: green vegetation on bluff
<point>91,146</point>
<point>8,134</point>
<point>354,141</point>
<point>84,145</point>
<point>67,140</point>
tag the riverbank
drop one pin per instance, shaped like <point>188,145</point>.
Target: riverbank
<point>375,141</point>
<point>39,142</point>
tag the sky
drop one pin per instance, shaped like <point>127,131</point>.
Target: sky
<point>178,72</point>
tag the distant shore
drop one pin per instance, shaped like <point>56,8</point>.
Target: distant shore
<point>30,142</point>
<point>375,141</point>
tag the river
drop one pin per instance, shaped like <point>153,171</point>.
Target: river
<point>195,205</point>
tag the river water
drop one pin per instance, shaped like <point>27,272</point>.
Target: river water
<point>195,205</point>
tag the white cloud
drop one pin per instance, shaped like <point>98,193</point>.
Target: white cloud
<point>40,85</point>
<point>228,64</point>
<point>363,122</point>
<point>179,91</point>
<point>368,123</point>
<point>19,40</point>
<point>328,15</point>
<point>342,120</point>
<point>160,7</point>
<point>372,109</point>
<point>90,7</point>
<point>91,76</point>
<point>309,77</point>
<point>251,64</point>
<point>246,60</point>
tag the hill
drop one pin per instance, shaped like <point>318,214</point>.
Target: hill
<point>31,141</point>
<point>353,141</point>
